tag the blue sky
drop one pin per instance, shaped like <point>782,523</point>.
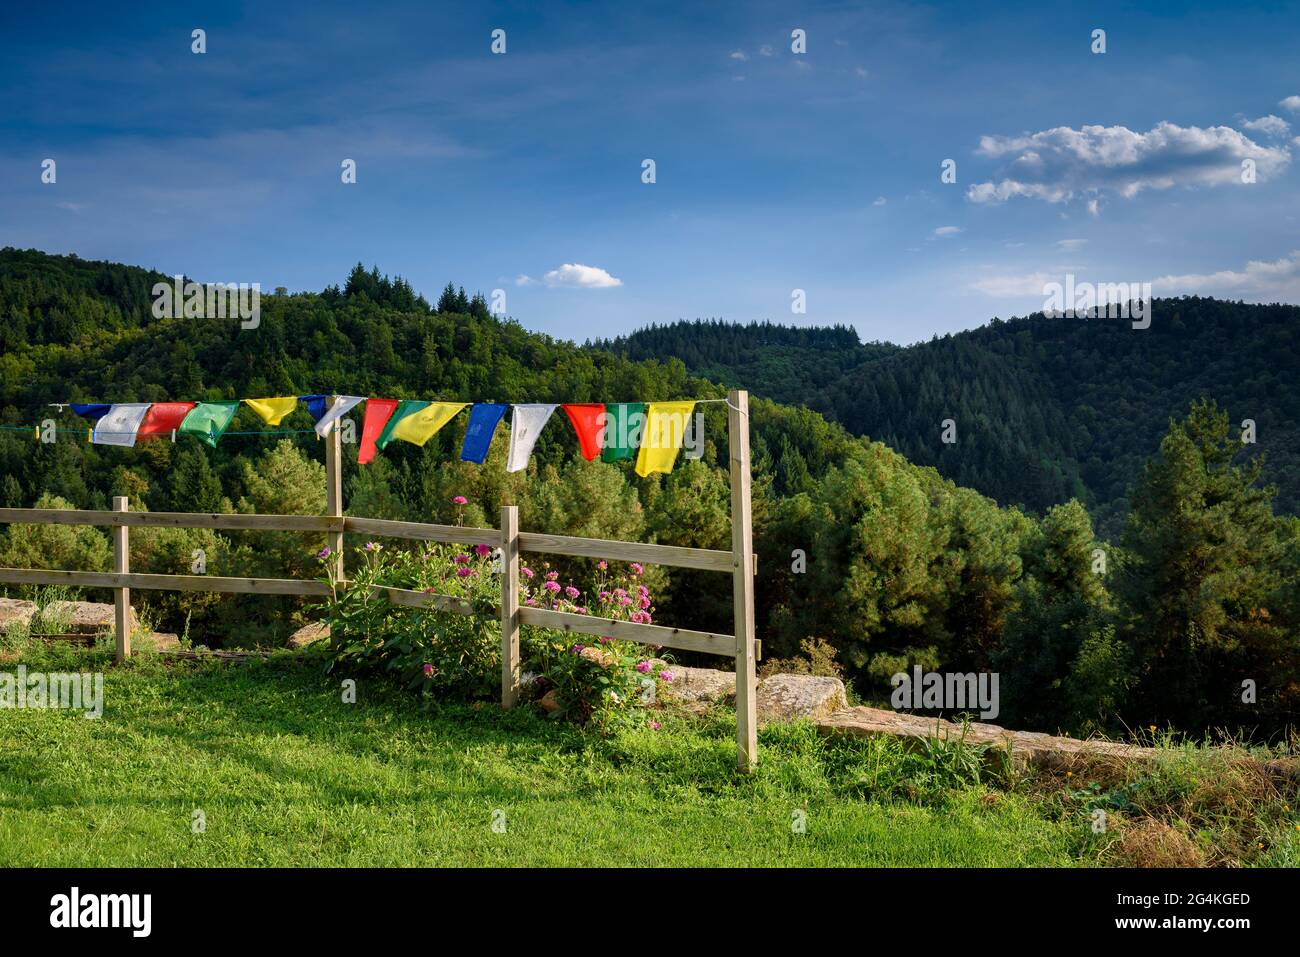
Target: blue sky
<point>775,170</point>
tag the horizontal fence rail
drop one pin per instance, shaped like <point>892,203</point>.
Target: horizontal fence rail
<point>740,562</point>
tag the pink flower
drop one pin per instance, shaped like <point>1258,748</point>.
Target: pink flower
<point>483,550</point>
<point>602,565</point>
<point>460,500</point>
<point>462,559</point>
<point>654,725</point>
<point>571,591</point>
<point>324,552</point>
<point>463,571</point>
<point>428,670</point>
<point>636,568</point>
<point>552,586</point>
<point>526,571</point>
<point>577,649</point>
<point>666,676</point>
<point>645,601</point>
<point>604,596</point>
<point>643,666</point>
<point>552,576</point>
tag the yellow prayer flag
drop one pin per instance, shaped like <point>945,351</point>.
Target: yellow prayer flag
<point>273,410</point>
<point>419,427</point>
<point>665,427</point>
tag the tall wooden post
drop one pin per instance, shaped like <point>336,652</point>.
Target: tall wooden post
<point>121,596</point>
<point>742,563</point>
<point>509,605</point>
<point>334,495</point>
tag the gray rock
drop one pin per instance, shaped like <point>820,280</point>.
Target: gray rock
<point>1020,748</point>
<point>699,686</point>
<point>16,610</point>
<point>788,697</point>
<point>307,634</point>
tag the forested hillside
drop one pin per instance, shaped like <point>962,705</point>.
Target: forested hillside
<point>861,552</point>
<point>1045,409</point>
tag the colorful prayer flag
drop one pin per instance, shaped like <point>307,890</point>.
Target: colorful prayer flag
<point>378,412</point>
<point>666,424</point>
<point>273,410</point>
<point>208,421</point>
<point>526,424</point>
<point>484,418</point>
<point>162,419</point>
<point>119,424</point>
<point>624,423</point>
<point>343,404</point>
<point>588,420</point>
<point>416,421</point>
<point>90,410</point>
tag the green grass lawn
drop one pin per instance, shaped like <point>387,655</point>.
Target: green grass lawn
<point>286,773</point>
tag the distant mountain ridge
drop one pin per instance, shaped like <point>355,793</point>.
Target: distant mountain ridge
<point>1045,409</point>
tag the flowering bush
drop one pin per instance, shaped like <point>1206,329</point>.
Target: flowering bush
<point>600,681</point>
<point>429,650</point>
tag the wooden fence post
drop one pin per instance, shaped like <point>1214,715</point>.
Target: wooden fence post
<point>334,495</point>
<point>509,605</point>
<point>742,555</point>
<point>121,596</point>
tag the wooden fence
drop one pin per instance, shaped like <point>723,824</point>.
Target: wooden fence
<point>739,563</point>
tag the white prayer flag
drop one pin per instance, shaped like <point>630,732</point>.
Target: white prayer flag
<point>119,425</point>
<point>526,423</point>
<point>343,404</point>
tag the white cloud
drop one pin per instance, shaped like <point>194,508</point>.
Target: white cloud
<point>1058,164</point>
<point>1070,245</point>
<point>739,55</point>
<point>860,70</point>
<point>944,232</point>
<point>1291,103</point>
<point>1268,125</point>
<point>765,50</point>
<point>578,276</point>
<point>1259,280</point>
<point>525,280</point>
<point>1094,207</point>
<point>1029,284</point>
<point>880,201</point>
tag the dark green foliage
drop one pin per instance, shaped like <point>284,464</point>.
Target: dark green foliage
<point>1046,409</point>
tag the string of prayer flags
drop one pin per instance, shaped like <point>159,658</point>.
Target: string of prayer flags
<point>90,410</point>
<point>624,423</point>
<point>343,404</point>
<point>163,418</point>
<point>119,425</point>
<point>378,412</point>
<point>272,411</point>
<point>526,426</point>
<point>484,418</point>
<point>665,428</point>
<point>208,421</point>
<point>416,421</point>
<point>588,420</point>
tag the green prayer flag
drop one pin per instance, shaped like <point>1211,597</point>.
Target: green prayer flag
<point>404,408</point>
<point>624,423</point>
<point>208,420</point>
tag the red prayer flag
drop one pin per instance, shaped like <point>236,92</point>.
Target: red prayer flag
<point>378,412</point>
<point>162,419</point>
<point>588,421</point>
